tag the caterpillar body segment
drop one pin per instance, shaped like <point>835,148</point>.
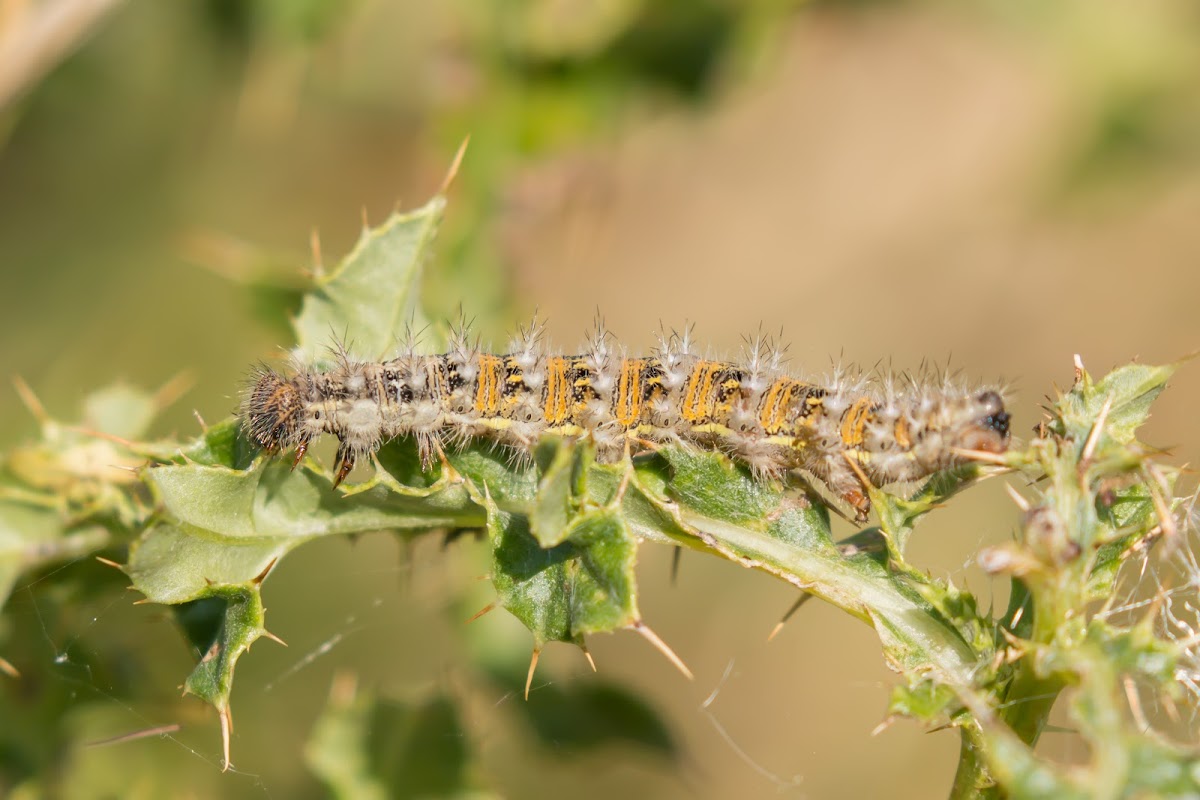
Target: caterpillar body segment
<point>849,435</point>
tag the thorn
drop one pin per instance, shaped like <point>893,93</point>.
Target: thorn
<point>200,419</point>
<point>1079,370</point>
<point>95,434</point>
<point>454,165</point>
<point>675,559</point>
<point>1170,707</point>
<point>1013,640</point>
<point>883,726</point>
<point>108,562</point>
<point>145,601</point>
<point>801,600</point>
<point>175,387</point>
<point>30,400</point>
<point>1135,704</point>
<point>662,647</point>
<point>1021,502</point>
<point>273,637</point>
<point>226,730</point>
<point>262,576</point>
<point>1016,618</point>
<point>11,671</point>
<point>481,612</point>
<point>588,655</point>
<point>314,242</point>
<point>537,652</point>
<point>161,730</point>
<point>981,455</point>
<point>1158,492</point>
<point>1089,446</point>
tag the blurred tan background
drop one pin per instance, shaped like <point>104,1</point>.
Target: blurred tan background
<point>999,185</point>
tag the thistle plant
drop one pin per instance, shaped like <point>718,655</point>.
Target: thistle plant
<point>1101,615</point>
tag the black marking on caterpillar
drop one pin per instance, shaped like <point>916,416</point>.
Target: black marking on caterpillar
<point>851,433</point>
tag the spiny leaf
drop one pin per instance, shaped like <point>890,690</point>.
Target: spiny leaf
<point>224,524</point>
<point>221,625</point>
<point>53,488</point>
<point>583,585</point>
<point>788,535</point>
<point>1129,390</point>
<point>370,301</point>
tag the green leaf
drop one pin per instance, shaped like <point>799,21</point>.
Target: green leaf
<point>61,494</point>
<point>583,585</point>
<point>220,626</point>
<point>716,487</point>
<point>85,475</point>
<point>512,485</point>
<point>722,509</point>
<point>176,563</point>
<point>1127,516</point>
<point>560,492</point>
<point>370,748</point>
<point>899,515</point>
<point>1129,389</point>
<point>929,701</point>
<point>370,301</point>
<point>224,525</point>
<point>223,444</point>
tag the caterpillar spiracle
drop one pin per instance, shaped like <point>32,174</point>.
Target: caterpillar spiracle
<point>851,433</point>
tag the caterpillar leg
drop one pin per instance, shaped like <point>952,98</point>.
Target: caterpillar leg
<point>846,480</point>
<point>301,449</point>
<point>853,488</point>
<point>345,462</point>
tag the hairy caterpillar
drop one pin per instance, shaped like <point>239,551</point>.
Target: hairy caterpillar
<point>850,433</point>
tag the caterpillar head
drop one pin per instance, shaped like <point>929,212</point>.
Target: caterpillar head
<point>272,411</point>
<point>988,430</point>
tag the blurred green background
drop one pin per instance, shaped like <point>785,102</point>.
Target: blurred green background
<point>994,184</point>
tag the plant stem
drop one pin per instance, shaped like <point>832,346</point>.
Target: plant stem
<point>971,781</point>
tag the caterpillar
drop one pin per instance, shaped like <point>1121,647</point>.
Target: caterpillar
<point>850,432</point>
